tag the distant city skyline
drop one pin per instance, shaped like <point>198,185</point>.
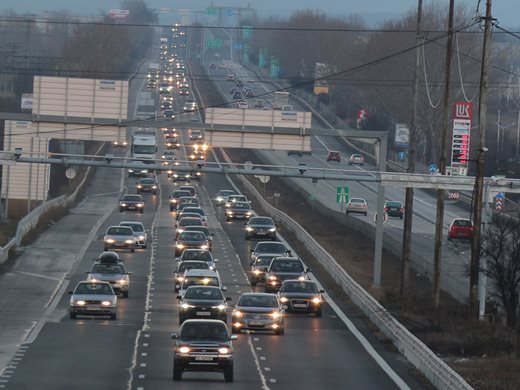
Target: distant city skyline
<point>505,11</point>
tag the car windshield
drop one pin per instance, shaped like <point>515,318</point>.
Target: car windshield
<point>132,198</point>
<point>204,331</point>
<point>236,198</point>
<point>193,210</point>
<point>201,229</point>
<point>94,288</point>
<point>242,205</point>
<point>299,287</point>
<point>462,223</point>
<point>200,281</point>
<point>192,236</point>
<point>271,247</point>
<point>258,301</point>
<point>203,293</point>
<point>189,200</point>
<point>264,260</point>
<point>187,265</point>
<point>179,193</point>
<point>286,266</point>
<point>120,231</point>
<point>225,193</point>
<point>261,221</point>
<point>108,269</point>
<point>136,227</point>
<point>357,200</point>
<point>190,222</point>
<point>393,204</point>
<point>333,153</point>
<point>196,255</point>
<point>147,181</point>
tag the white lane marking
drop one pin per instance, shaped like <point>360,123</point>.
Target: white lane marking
<point>143,364</point>
<point>267,369</point>
<point>272,380</point>
<point>38,275</point>
<point>145,344</point>
<point>258,348</point>
<point>257,364</point>
<point>144,354</point>
<point>142,376</point>
<point>262,357</point>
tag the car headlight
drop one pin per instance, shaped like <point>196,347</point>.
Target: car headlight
<point>109,240</point>
<point>301,277</point>
<point>224,350</point>
<point>237,313</point>
<point>272,277</point>
<point>91,279</point>
<point>220,307</point>
<point>248,213</point>
<point>316,300</point>
<point>180,278</point>
<point>272,229</point>
<point>204,247</point>
<point>229,212</point>
<point>129,241</point>
<point>186,306</point>
<point>140,237</point>
<point>123,204</point>
<point>106,303</point>
<point>140,205</point>
<point>154,187</point>
<point>249,229</point>
<point>173,200</point>
<point>275,314</point>
<point>180,246</point>
<point>219,199</point>
<point>80,303</point>
<point>184,349</point>
<point>122,281</point>
<point>175,176</point>
<point>284,299</point>
<point>180,230</point>
<point>139,186</point>
<point>205,281</point>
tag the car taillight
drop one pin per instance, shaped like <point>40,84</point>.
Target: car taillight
<point>386,209</point>
<point>401,210</point>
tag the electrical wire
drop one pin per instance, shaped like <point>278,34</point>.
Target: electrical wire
<point>460,73</point>
<point>434,106</point>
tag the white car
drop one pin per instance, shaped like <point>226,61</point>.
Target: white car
<point>140,234</point>
<point>243,104</point>
<point>200,277</point>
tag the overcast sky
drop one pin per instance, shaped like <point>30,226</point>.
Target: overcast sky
<point>506,11</point>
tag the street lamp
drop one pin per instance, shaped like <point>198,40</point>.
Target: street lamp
<point>500,139</point>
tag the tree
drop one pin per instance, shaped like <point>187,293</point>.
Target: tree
<point>500,254</point>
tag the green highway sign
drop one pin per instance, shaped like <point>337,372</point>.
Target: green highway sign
<point>342,194</point>
<point>211,11</point>
<point>214,43</point>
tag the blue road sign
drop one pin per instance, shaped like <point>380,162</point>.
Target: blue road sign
<point>433,168</point>
<point>401,156</point>
<point>500,195</point>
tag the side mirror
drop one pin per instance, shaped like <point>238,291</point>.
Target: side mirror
<point>129,273</point>
<point>307,270</point>
<point>212,234</point>
<point>224,288</point>
<point>322,291</point>
<point>174,336</point>
<point>289,252</point>
<point>87,272</point>
<point>233,337</point>
<point>252,262</point>
<point>215,260</point>
<point>179,296</point>
<point>177,259</point>
<point>252,250</point>
<point>228,299</point>
<point>70,293</point>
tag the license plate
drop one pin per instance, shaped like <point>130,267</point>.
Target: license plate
<point>256,323</point>
<point>131,208</point>
<point>203,313</point>
<point>93,308</point>
<point>261,233</point>
<point>300,305</point>
<point>204,358</point>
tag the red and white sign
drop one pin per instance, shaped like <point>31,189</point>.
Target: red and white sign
<point>463,110</point>
<point>118,13</point>
<point>498,204</point>
<point>454,195</point>
<point>462,115</point>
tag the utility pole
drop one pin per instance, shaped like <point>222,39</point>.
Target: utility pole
<point>408,203</point>
<point>442,163</point>
<point>474,268</point>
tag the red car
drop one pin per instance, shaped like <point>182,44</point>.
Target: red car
<point>334,156</point>
<point>461,228</point>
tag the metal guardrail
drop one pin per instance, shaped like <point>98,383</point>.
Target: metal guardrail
<point>441,375</point>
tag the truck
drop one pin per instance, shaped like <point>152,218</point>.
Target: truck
<point>164,43</point>
<point>153,70</point>
<point>280,99</point>
<point>144,147</point>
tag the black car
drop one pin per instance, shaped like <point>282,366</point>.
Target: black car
<point>284,268</point>
<point>203,302</point>
<point>172,143</point>
<point>259,267</point>
<point>148,185</point>
<point>131,202</point>
<point>203,345</point>
<point>239,210</point>
<point>204,230</point>
<point>394,209</point>
<point>301,296</point>
<point>268,247</point>
<point>261,227</point>
<point>175,196</point>
<point>185,240</point>
<point>183,266</point>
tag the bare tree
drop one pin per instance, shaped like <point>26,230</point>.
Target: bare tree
<point>501,258</point>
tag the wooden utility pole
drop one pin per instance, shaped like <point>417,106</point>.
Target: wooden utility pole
<point>408,203</point>
<point>442,162</point>
<point>474,267</point>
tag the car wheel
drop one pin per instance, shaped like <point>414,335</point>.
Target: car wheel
<point>401,217</point>
<point>72,315</point>
<point>228,374</point>
<point>318,312</point>
<point>177,373</point>
<point>121,210</point>
<point>228,219</point>
<point>113,316</point>
<point>247,237</point>
<point>125,294</point>
<point>279,331</point>
<point>449,238</point>
<point>144,246</point>
<point>141,211</point>
<point>181,320</point>
<point>132,250</point>
<point>105,249</point>
<point>362,164</point>
<point>346,212</point>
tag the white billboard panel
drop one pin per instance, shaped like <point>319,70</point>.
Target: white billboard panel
<point>250,140</point>
<point>261,118</point>
<point>77,97</point>
<point>402,135</point>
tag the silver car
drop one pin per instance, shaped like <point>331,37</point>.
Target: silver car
<point>357,205</point>
<point>113,273</point>
<point>93,298</point>
<point>140,234</point>
<point>119,237</point>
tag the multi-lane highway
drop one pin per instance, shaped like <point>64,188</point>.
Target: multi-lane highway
<point>46,350</point>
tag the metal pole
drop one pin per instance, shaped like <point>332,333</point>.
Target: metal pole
<point>498,137</point>
<point>517,134</point>
<point>378,254</point>
<point>408,204</point>
<point>439,226</point>
<point>486,220</point>
<point>479,179</point>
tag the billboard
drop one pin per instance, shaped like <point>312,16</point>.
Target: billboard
<point>321,85</point>
<point>462,115</point>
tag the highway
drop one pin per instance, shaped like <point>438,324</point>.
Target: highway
<point>456,253</point>
<point>135,351</point>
